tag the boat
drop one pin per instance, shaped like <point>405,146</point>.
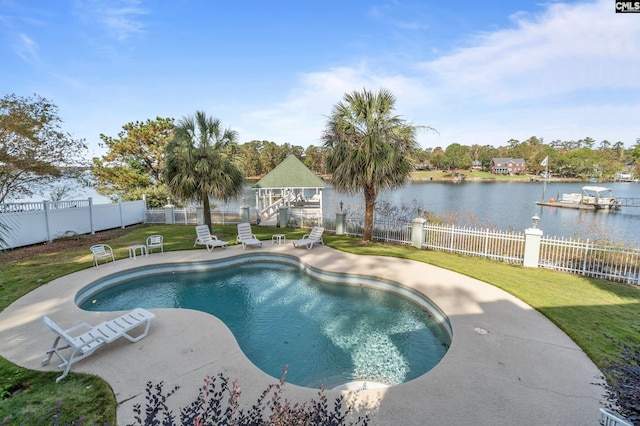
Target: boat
<point>591,198</point>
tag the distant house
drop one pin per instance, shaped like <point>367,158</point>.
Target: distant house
<point>624,177</point>
<point>476,165</point>
<point>507,166</point>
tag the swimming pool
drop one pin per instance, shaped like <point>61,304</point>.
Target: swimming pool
<point>284,313</point>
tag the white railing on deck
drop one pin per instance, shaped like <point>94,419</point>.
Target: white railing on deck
<point>274,207</point>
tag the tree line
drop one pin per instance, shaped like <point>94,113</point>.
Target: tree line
<point>582,158</point>
<point>135,157</point>
<point>363,144</point>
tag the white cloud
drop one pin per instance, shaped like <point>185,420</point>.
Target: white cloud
<point>561,74</point>
<point>24,46</point>
<point>301,118</point>
<point>567,48</point>
<point>120,18</point>
<point>27,49</point>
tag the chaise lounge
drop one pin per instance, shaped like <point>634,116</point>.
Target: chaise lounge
<point>308,240</point>
<point>204,237</point>
<point>84,344</point>
<point>246,236</point>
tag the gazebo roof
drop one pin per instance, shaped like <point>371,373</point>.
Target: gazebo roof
<point>291,173</point>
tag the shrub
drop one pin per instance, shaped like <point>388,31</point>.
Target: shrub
<point>218,403</point>
<point>622,390</point>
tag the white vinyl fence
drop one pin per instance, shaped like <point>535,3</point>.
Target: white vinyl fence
<point>23,224</point>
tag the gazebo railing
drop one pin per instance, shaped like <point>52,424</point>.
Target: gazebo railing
<point>272,209</point>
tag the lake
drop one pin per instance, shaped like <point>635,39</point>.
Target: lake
<point>510,205</point>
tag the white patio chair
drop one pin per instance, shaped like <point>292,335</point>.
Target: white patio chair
<point>204,237</point>
<point>155,241</point>
<point>246,236</point>
<point>308,240</point>
<point>101,251</point>
<point>84,344</point>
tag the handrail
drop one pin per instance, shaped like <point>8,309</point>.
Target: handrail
<point>271,209</point>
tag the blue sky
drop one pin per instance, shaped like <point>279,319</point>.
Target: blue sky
<point>480,72</point>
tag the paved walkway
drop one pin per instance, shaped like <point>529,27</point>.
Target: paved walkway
<point>522,371</point>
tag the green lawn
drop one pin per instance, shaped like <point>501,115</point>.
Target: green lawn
<point>586,309</point>
<point>448,175</point>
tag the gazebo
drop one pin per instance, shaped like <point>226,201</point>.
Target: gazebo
<point>291,184</point>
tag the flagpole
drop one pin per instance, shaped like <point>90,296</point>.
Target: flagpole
<point>546,168</point>
<point>546,176</point>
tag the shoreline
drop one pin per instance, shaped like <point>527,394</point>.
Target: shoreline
<point>527,179</point>
<point>462,178</point>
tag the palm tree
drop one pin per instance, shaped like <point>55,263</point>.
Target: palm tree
<point>199,162</point>
<point>369,148</point>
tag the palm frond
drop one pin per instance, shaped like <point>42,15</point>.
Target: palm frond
<point>200,163</point>
<point>369,147</point>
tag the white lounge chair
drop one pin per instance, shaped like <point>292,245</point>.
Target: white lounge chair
<point>246,236</point>
<point>611,418</point>
<point>155,241</point>
<point>101,251</point>
<point>84,344</point>
<point>308,240</point>
<point>204,237</point>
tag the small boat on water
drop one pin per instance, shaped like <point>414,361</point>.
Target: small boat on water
<point>591,198</point>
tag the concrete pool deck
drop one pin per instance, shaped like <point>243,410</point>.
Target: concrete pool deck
<point>507,363</point>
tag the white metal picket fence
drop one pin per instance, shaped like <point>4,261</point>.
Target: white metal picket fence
<point>386,231</point>
<point>390,232</point>
<point>180,216</point>
<point>496,245</point>
<point>609,261</point>
<point>189,216</point>
<point>606,260</point>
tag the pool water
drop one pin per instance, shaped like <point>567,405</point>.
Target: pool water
<point>281,316</point>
